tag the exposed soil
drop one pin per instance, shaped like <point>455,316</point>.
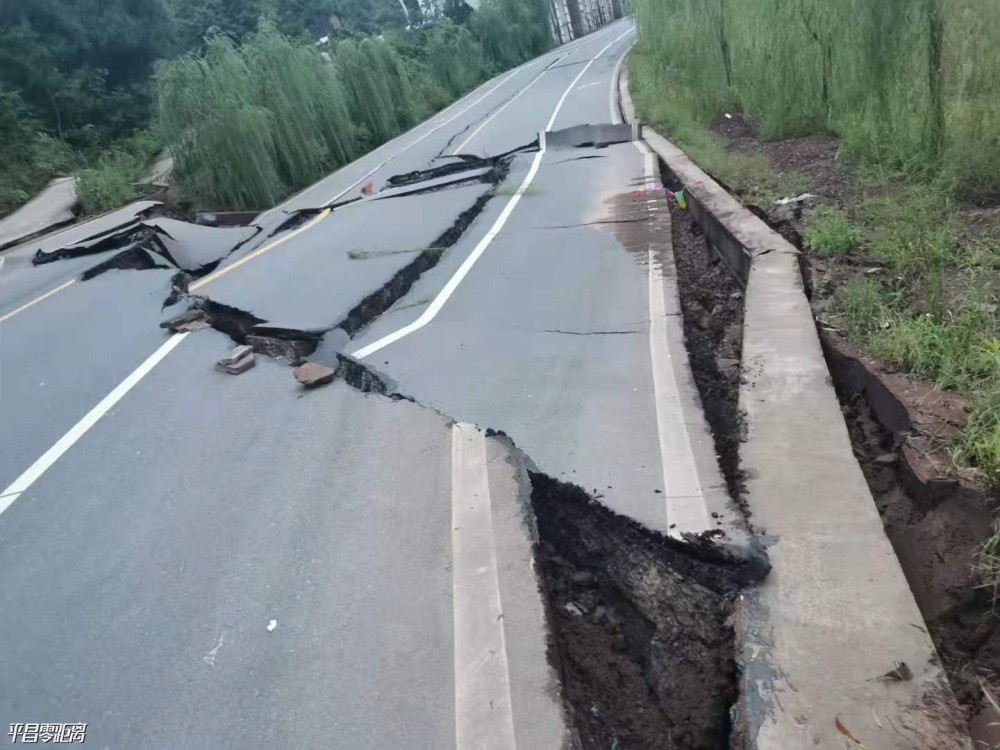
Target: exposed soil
<point>640,625</point>
<point>712,303</point>
<point>936,518</point>
<point>937,521</point>
<point>816,157</point>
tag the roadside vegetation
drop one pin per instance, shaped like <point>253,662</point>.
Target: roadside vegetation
<point>908,94</point>
<point>255,99</point>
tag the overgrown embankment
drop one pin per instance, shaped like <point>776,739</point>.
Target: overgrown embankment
<point>888,114</point>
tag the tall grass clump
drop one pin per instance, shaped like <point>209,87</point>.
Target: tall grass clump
<point>911,86</point>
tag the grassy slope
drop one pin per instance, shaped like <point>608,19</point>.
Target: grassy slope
<point>932,313</point>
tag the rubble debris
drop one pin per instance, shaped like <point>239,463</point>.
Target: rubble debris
<point>238,361</point>
<point>188,321</point>
<point>313,375</point>
<point>596,136</point>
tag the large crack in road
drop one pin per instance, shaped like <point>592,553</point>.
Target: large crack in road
<point>640,624</point>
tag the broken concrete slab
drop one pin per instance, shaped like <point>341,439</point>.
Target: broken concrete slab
<point>333,344</point>
<point>87,233</point>
<point>313,375</point>
<point>51,208</point>
<point>238,361</point>
<point>192,247</point>
<point>188,321</point>
<point>589,135</point>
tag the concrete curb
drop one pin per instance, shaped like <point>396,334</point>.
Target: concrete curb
<point>836,612</point>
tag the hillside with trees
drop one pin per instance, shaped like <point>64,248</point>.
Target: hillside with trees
<point>80,92</point>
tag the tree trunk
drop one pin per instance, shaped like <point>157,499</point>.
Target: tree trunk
<point>935,81</point>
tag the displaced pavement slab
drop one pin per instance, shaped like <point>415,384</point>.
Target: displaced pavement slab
<point>322,274</point>
<point>192,246</point>
<point>51,208</point>
<point>548,339</point>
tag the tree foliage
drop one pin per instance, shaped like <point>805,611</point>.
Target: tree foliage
<point>77,77</point>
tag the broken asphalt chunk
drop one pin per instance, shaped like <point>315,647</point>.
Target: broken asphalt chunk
<point>313,375</point>
<point>190,320</point>
<point>238,361</point>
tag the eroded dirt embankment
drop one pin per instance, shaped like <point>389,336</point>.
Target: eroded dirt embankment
<point>641,624</point>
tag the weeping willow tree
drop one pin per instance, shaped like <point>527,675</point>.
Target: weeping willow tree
<point>248,123</point>
<point>911,86</point>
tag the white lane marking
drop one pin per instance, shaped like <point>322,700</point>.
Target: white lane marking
<point>484,717</point>
<point>77,431</point>
<point>449,288</point>
<point>683,496</point>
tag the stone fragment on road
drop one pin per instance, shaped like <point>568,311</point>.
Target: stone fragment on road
<point>313,375</point>
<point>187,322</point>
<point>238,361</point>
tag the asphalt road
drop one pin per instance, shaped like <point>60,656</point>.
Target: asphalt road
<point>190,559</point>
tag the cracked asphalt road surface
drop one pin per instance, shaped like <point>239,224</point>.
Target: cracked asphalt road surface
<point>190,559</point>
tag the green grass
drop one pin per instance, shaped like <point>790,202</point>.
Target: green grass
<point>828,232</point>
<point>912,87</point>
<point>931,310</point>
<point>674,112</point>
<point>109,183</point>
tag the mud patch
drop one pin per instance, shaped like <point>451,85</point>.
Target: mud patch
<point>641,624</point>
<point>712,304</point>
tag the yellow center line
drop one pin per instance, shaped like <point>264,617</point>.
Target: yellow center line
<point>260,251</point>
<point>36,300</point>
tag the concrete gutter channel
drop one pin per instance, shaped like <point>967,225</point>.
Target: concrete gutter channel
<point>818,637</point>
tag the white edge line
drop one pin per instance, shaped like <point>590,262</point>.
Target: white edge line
<point>687,516</point>
<point>449,288</point>
<point>77,431</point>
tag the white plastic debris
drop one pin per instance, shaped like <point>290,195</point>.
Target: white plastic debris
<point>729,116</point>
<point>271,626</point>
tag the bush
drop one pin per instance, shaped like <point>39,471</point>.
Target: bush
<point>109,183</point>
